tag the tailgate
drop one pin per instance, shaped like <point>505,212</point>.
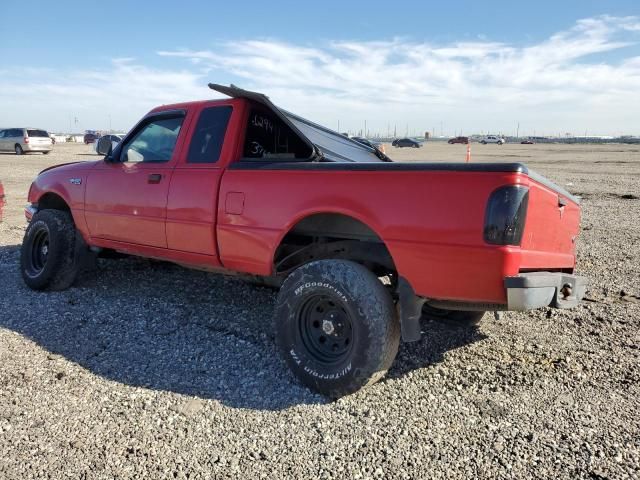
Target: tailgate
<point>39,137</point>
<point>551,228</point>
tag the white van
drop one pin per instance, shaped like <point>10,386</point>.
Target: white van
<point>24,140</point>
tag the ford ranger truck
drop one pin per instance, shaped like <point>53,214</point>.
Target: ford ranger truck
<point>359,246</point>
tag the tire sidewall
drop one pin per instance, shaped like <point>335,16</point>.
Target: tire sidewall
<point>60,250</point>
<point>349,373</point>
<point>297,354</point>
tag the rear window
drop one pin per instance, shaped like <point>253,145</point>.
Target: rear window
<point>37,133</point>
<point>268,137</point>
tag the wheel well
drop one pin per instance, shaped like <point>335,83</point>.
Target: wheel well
<point>332,235</point>
<point>53,202</point>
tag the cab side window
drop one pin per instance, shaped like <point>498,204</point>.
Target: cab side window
<point>155,141</point>
<point>208,136</point>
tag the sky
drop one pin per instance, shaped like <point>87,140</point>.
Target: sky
<point>451,68</point>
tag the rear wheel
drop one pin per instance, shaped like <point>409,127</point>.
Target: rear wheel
<point>336,326</point>
<point>48,257</point>
<point>19,150</point>
<point>47,152</point>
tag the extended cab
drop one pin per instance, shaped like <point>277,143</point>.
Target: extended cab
<point>359,245</point>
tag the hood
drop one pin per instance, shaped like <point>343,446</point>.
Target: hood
<point>327,145</point>
<point>69,167</point>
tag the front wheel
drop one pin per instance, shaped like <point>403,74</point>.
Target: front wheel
<point>48,259</point>
<point>336,326</point>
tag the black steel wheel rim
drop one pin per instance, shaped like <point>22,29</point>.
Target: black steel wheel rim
<point>39,251</point>
<point>326,329</point>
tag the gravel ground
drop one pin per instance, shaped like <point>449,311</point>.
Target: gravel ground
<point>149,370</point>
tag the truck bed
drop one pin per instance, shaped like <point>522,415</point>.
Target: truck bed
<point>429,215</point>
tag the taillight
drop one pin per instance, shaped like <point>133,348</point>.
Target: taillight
<point>505,215</point>
<point>26,139</point>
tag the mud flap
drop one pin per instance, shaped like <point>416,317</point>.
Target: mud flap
<point>410,311</point>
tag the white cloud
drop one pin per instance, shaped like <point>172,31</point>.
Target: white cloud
<point>584,78</point>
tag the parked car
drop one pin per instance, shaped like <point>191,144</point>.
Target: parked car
<point>358,244</point>
<point>25,140</point>
<point>106,142</point>
<point>370,143</point>
<point>464,140</point>
<point>90,137</point>
<point>492,139</point>
<point>406,142</point>
<point>527,142</point>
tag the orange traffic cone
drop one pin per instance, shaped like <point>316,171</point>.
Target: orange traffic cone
<point>468,159</point>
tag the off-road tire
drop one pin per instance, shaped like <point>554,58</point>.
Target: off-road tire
<point>54,231</point>
<point>456,318</point>
<point>362,321</point>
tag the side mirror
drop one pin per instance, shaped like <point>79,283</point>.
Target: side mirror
<point>104,146</point>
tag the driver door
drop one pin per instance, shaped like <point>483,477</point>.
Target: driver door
<point>126,197</point>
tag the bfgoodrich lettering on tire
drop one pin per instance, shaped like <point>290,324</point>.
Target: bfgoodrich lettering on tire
<point>48,259</point>
<point>336,326</point>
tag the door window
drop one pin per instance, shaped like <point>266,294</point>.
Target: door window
<point>154,142</point>
<point>208,136</point>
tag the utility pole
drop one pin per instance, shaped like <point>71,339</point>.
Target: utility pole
<point>441,129</point>
<point>365,128</point>
<point>338,126</point>
<point>518,131</point>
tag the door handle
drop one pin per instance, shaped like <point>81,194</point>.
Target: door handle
<point>154,178</point>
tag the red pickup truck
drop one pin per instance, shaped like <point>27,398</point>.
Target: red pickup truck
<point>359,245</point>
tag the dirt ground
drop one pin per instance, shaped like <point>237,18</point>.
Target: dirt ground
<point>148,370</point>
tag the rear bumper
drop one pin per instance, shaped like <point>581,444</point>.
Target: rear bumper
<point>36,148</point>
<point>527,291</point>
